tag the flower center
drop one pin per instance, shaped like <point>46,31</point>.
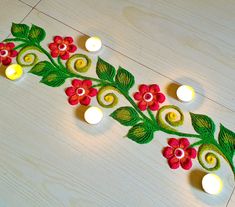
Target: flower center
<point>179,153</point>
<point>3,53</point>
<point>62,47</point>
<point>148,97</point>
<point>80,91</point>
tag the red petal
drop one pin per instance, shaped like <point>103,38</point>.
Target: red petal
<point>186,163</point>
<point>13,53</point>
<point>137,96</point>
<point>92,92</point>
<point>85,101</point>
<point>6,61</point>
<point>174,163</point>
<point>70,91</point>
<point>68,40</point>
<point>65,56</point>
<point>72,48</point>
<point>154,88</point>
<point>2,45</point>
<point>53,46</point>
<point>154,106</point>
<point>87,83</point>
<point>183,143</point>
<point>161,98</point>
<point>55,53</point>
<point>168,152</point>
<point>192,153</point>
<point>173,142</point>
<point>58,39</point>
<point>73,100</point>
<point>76,83</point>
<point>10,45</point>
<point>143,88</point>
<point>142,105</point>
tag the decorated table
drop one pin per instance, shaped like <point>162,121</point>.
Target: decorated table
<point>83,125</point>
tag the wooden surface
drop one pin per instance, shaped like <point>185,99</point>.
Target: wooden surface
<point>232,200</point>
<point>49,157</point>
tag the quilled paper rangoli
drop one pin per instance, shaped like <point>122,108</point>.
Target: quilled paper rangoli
<point>146,114</point>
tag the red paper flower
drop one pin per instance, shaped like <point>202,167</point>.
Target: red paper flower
<point>7,52</point>
<point>62,47</point>
<point>80,92</point>
<point>179,153</point>
<point>149,97</point>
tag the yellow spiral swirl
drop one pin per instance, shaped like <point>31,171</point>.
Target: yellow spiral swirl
<point>207,157</point>
<point>173,118</point>
<point>78,63</point>
<point>108,100</point>
<point>27,58</point>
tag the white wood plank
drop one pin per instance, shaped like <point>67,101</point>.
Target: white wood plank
<point>175,38</point>
<point>232,200</point>
<point>49,157</point>
<point>30,2</point>
<point>11,11</point>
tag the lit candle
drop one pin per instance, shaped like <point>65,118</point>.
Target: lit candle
<point>212,184</point>
<point>185,93</point>
<point>93,44</point>
<point>93,115</point>
<point>14,72</point>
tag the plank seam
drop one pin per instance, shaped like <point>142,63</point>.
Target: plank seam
<point>149,68</point>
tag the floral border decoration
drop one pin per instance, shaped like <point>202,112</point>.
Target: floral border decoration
<point>54,72</point>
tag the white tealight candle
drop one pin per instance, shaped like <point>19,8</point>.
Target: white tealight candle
<point>93,115</point>
<point>14,72</point>
<point>212,184</point>
<point>93,44</point>
<point>185,93</point>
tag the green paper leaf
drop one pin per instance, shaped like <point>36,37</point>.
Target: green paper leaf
<point>203,125</point>
<point>52,76</point>
<point>20,30</point>
<point>124,79</point>
<point>54,79</point>
<point>104,70</point>
<point>140,133</point>
<point>36,34</point>
<point>126,116</point>
<point>227,140</point>
<point>42,68</point>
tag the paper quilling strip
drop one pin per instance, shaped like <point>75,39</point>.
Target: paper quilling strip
<point>145,115</point>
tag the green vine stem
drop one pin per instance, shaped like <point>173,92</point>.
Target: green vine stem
<point>152,116</point>
<point>60,64</point>
<point>33,44</point>
<point>143,126</point>
<point>103,83</point>
<point>180,134</point>
<point>150,120</point>
<point>127,96</point>
<point>47,54</point>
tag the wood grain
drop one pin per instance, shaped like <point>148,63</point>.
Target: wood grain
<point>232,200</point>
<point>188,41</point>
<point>31,3</point>
<point>49,157</point>
<point>11,11</point>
